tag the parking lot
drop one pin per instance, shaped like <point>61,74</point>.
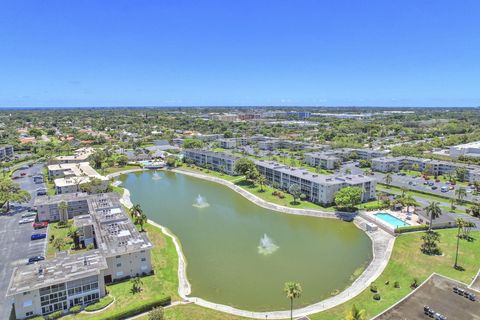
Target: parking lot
<point>437,293</point>
<point>418,184</point>
<point>16,246</point>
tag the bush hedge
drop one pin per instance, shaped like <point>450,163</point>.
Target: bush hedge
<point>376,296</point>
<point>55,315</point>
<point>100,304</point>
<point>421,227</point>
<point>75,309</point>
<point>140,309</point>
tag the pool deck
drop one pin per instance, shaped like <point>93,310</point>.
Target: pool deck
<point>382,246</point>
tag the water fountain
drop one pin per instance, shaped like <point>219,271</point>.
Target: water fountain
<point>156,176</point>
<point>201,202</point>
<point>267,246</point>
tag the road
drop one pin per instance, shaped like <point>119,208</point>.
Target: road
<point>16,246</point>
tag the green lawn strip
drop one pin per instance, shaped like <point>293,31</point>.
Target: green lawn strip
<point>224,176</point>
<point>100,304</point>
<point>115,169</point>
<point>162,284</point>
<point>193,311</point>
<point>406,263</point>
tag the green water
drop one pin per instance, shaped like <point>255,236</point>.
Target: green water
<point>221,243</point>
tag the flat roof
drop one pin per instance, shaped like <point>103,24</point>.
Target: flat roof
<point>43,200</point>
<point>63,268</point>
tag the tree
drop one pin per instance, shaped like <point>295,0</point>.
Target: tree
<point>58,243</point>
<point>243,166</point>
<point>136,285</point>
<point>430,239</point>
<point>460,224</point>
<point>261,181</point>
<point>135,211</point>
<point>404,190</point>
<point>356,314</point>
<point>461,173</point>
<point>156,314</point>
<point>74,234</point>
<point>461,193</point>
<point>433,211</point>
<point>348,197</point>
<point>292,290</point>
<point>10,191</point>
<point>409,201</point>
<point>192,144</point>
<point>388,179</point>
<point>348,171</point>
<point>295,191</point>
<point>141,220</point>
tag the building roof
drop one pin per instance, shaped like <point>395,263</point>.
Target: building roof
<point>43,200</point>
<point>63,268</point>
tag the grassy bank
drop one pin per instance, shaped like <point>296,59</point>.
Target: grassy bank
<point>406,263</point>
<point>115,169</point>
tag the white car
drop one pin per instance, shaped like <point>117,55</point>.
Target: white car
<point>26,220</point>
<point>29,214</point>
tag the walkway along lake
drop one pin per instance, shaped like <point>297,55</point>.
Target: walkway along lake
<point>240,254</point>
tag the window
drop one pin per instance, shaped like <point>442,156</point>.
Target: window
<point>27,303</point>
<point>119,265</point>
<point>144,259</point>
<point>29,313</point>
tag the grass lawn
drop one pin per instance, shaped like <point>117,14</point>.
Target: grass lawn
<point>110,170</point>
<point>59,232</point>
<point>192,311</point>
<point>210,173</point>
<point>406,263</point>
<point>442,178</point>
<point>162,284</point>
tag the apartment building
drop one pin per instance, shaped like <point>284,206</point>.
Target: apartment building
<point>79,156</point>
<point>318,188</point>
<point>229,143</point>
<point>6,152</point>
<point>218,161</point>
<point>57,284</point>
<point>69,176</point>
<point>275,143</point>
<point>471,149</point>
<point>434,167</point>
<point>368,154</point>
<point>322,160</point>
<point>79,279</point>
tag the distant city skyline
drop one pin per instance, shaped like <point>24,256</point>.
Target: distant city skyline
<point>244,53</point>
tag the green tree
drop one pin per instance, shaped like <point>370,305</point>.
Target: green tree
<point>433,211</point>
<point>388,179</point>
<point>75,235</point>
<point>192,144</point>
<point>136,285</point>
<point>141,220</point>
<point>135,210</point>
<point>295,191</point>
<point>244,165</point>
<point>261,181</point>
<point>461,193</point>
<point>460,224</point>
<point>292,290</point>
<point>461,173</point>
<point>58,243</point>
<point>356,314</point>
<point>10,191</point>
<point>348,197</point>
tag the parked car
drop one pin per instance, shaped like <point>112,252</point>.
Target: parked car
<point>29,214</point>
<point>41,192</point>
<point>23,174</point>
<point>434,187</point>
<point>40,225</point>
<point>38,236</point>
<point>24,167</point>
<point>35,259</point>
<point>26,220</point>
<point>444,188</point>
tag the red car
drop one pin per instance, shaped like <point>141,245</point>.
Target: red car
<point>40,225</point>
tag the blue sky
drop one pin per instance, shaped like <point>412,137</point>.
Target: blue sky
<point>108,53</point>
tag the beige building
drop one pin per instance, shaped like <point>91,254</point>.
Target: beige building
<point>80,155</point>
<point>69,176</point>
<point>120,252</point>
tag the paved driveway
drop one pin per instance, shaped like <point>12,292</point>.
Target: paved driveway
<point>15,244</point>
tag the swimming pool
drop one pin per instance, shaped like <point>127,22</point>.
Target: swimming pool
<point>391,220</point>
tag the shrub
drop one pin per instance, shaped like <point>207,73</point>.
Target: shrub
<point>90,246</point>
<point>140,309</point>
<point>55,315</point>
<point>387,282</point>
<point>405,229</point>
<point>100,304</point>
<point>414,283</point>
<point>75,309</point>
<point>373,288</point>
<point>156,314</point>
<point>396,284</point>
<point>376,296</point>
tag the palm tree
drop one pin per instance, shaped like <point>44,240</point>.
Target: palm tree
<point>408,201</point>
<point>433,211</point>
<point>460,224</point>
<point>356,314</point>
<point>461,193</point>
<point>62,208</point>
<point>293,290</point>
<point>388,179</point>
<point>136,210</point>
<point>141,220</point>
<point>404,190</point>
<point>261,181</point>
